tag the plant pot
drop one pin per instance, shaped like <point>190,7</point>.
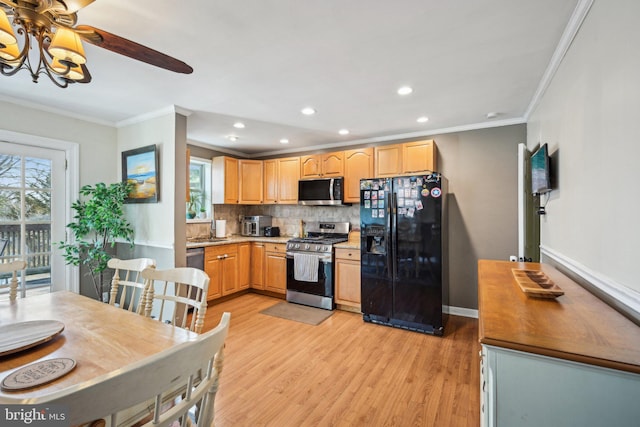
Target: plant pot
<point>202,215</point>
<point>191,214</point>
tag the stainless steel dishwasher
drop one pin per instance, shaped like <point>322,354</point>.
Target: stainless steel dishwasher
<point>195,258</point>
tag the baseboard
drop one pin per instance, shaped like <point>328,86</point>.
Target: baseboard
<point>618,296</point>
<point>460,311</point>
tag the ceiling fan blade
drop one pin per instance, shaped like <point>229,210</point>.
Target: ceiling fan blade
<point>131,49</point>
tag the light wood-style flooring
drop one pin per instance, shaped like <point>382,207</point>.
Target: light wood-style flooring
<point>343,372</point>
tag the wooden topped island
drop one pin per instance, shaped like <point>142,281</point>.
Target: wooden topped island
<point>570,360</point>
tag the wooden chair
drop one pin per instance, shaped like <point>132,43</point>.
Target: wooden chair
<point>128,280</point>
<point>12,267</point>
<point>106,398</point>
<point>183,288</point>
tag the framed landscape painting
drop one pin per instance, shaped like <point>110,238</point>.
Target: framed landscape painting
<point>140,168</point>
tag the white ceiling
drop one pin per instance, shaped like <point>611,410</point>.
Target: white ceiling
<point>262,61</point>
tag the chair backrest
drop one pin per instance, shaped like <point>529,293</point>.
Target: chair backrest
<point>128,281</point>
<point>193,366</point>
<point>185,288</point>
<point>3,245</point>
<point>12,267</point>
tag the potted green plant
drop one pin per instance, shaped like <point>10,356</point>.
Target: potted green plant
<point>99,220</point>
<point>192,206</point>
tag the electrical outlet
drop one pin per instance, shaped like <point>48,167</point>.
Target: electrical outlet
<point>513,258</point>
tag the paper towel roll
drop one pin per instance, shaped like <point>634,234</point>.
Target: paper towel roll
<point>221,228</point>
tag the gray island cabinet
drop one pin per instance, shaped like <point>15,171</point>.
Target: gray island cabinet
<point>565,361</point>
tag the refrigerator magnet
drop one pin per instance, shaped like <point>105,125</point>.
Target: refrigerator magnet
<point>367,204</point>
<point>376,185</point>
<point>374,213</point>
<point>410,212</point>
<point>409,202</point>
<point>419,182</point>
<point>367,195</point>
<point>414,193</point>
<point>380,194</point>
<point>400,201</point>
<point>436,192</point>
<point>381,203</point>
<point>425,192</point>
<point>380,213</point>
<point>374,204</point>
<point>419,205</point>
<point>374,195</point>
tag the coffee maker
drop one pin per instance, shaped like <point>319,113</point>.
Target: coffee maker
<point>254,225</point>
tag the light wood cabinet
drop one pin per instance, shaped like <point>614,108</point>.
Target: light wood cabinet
<point>418,157</point>
<point>221,264</point>
<point>281,180</point>
<point>358,164</point>
<point>388,159</point>
<point>257,265</point>
<point>250,182</point>
<point>347,268</point>
<point>410,158</point>
<point>324,165</point>
<point>224,180</point>
<point>244,265</point>
<point>275,268</point>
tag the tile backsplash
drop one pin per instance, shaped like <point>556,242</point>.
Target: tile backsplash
<point>287,217</point>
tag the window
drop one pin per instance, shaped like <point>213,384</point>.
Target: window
<point>200,186</point>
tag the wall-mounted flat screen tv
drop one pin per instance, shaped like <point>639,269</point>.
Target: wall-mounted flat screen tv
<point>540,171</point>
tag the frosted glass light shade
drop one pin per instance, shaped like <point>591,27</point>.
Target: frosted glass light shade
<point>74,73</point>
<point>66,46</point>
<point>7,36</point>
<point>10,52</point>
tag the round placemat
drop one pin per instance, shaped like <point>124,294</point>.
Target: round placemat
<point>38,373</point>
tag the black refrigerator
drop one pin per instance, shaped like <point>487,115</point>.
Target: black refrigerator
<point>403,251</point>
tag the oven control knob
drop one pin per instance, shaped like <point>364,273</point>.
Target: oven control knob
<point>318,248</point>
<point>325,248</point>
<point>307,246</point>
<point>297,245</point>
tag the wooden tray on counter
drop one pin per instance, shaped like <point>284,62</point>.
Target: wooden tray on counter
<point>536,284</point>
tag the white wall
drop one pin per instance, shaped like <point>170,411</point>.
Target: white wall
<point>95,141</point>
<point>590,116</point>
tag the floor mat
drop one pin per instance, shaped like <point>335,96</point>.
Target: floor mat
<point>298,313</point>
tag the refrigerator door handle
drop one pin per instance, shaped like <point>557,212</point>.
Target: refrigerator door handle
<point>393,235</point>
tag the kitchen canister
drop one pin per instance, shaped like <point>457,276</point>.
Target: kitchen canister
<point>221,228</point>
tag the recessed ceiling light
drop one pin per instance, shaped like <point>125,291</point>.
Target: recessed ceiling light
<point>232,138</point>
<point>492,115</point>
<point>238,125</point>
<point>284,141</point>
<point>308,111</point>
<point>423,119</point>
<point>343,131</point>
<point>405,90</point>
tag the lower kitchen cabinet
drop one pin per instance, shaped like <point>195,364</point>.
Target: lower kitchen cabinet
<point>275,268</point>
<point>244,265</point>
<point>257,265</point>
<point>221,264</point>
<point>347,270</point>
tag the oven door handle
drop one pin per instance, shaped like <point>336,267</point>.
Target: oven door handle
<point>326,258</point>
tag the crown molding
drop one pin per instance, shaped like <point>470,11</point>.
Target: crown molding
<point>573,26</point>
<point>170,109</point>
<point>53,110</point>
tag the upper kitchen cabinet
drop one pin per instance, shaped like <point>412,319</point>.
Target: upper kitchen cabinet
<point>405,159</point>
<point>358,164</point>
<point>325,165</point>
<point>224,177</point>
<point>281,180</point>
<point>250,182</point>
<point>419,157</point>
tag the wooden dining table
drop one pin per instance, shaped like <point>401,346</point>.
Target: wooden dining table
<point>99,337</point>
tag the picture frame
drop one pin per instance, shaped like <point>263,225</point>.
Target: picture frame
<point>140,167</point>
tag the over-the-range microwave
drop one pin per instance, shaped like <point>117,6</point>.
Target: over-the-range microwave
<point>321,191</point>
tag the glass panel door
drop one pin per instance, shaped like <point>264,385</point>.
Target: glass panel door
<point>32,189</point>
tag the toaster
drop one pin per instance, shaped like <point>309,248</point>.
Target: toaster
<point>271,231</point>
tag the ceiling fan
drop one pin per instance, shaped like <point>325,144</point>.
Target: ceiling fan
<point>52,24</point>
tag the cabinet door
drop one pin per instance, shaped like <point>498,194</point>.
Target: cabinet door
<point>224,180</point>
<point>275,279</point>
<point>358,164</point>
<point>388,160</point>
<point>270,169</point>
<point>418,157</point>
<point>244,265</point>
<point>213,268</point>
<point>257,265</point>
<point>333,164</point>
<point>311,166</point>
<point>348,277</point>
<point>288,176</point>
<point>230,273</point>
<point>250,172</point>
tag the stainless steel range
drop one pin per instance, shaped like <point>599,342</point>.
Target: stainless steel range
<point>310,264</point>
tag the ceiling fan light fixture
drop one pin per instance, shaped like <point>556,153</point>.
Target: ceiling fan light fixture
<point>67,46</point>
<point>9,52</point>
<point>73,72</point>
<point>7,35</point>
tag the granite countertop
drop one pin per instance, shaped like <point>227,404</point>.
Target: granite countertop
<point>237,239</point>
<point>348,245</point>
